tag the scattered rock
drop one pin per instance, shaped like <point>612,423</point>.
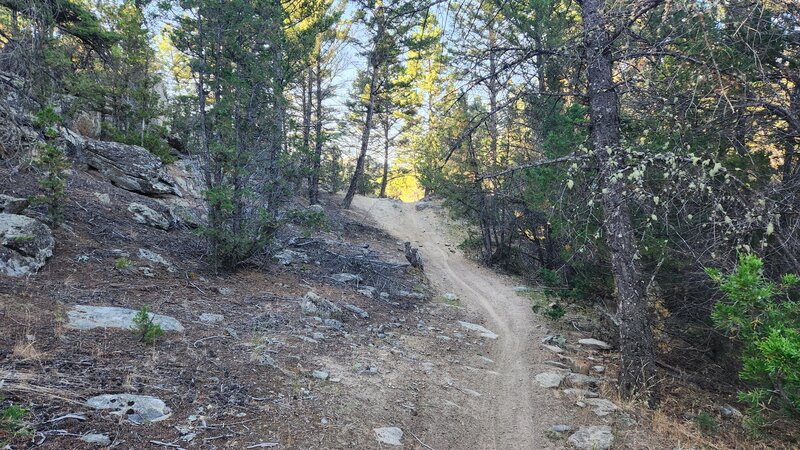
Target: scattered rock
<point>581,380</point>
<point>147,216</point>
<point>85,317</point>
<point>475,327</point>
<point>601,406</point>
<point>346,277</point>
<point>409,294</point>
<point>594,344</point>
<point>333,323</point>
<point>225,291</point>
<point>152,256</point>
<point>560,428</point>
<point>592,438</point>
<point>486,361</point>
<point>314,305</point>
<point>557,340</point>
<point>557,364</point>
<point>105,199</point>
<point>450,297</point>
<point>389,435</point>
<point>422,205</point>
<point>129,167</point>
<point>413,256</point>
<point>357,311</point>
<point>553,348</point>
<point>211,318</point>
<point>12,205</point>
<point>25,245</point>
<point>598,369</point>
<point>316,209</point>
<point>139,409</point>
<point>580,393</point>
<point>729,412</point>
<point>320,375</point>
<point>96,438</point>
<point>369,291</point>
<point>521,289</point>
<point>549,380</point>
<point>428,366</point>
<point>288,257</point>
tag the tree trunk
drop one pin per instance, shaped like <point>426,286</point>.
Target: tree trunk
<point>636,375</point>
<point>385,177</point>
<point>375,62</point>
<point>316,162</point>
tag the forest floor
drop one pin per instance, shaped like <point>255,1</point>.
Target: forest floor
<point>250,369</point>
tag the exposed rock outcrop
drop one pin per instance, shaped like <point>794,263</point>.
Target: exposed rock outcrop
<point>129,167</point>
<point>25,245</point>
<point>12,205</point>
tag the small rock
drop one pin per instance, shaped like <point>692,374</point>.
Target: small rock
<point>225,291</point>
<point>475,327</point>
<point>318,336</point>
<point>96,438</point>
<point>232,332</point>
<point>320,375</point>
<point>369,291</point>
<point>357,311</point>
<point>595,344</point>
<point>598,369</point>
<point>139,409</point>
<point>147,216</point>
<point>313,305</point>
<point>486,361</point>
<point>601,406</point>
<point>287,257</point>
<point>333,323</point>
<point>422,205</point>
<point>346,277</point>
<point>411,295</point>
<point>560,428</point>
<point>553,348</point>
<point>580,393</point>
<point>581,380</point>
<point>729,412</point>
<point>389,435</point>
<point>557,364</point>
<point>154,257</point>
<point>428,366</point>
<point>103,198</point>
<point>592,438</point>
<point>211,318</point>
<point>549,380</point>
<point>12,205</point>
<point>521,289</point>
<point>450,297</point>
<point>316,209</point>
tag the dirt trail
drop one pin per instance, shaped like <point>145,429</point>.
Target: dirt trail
<point>513,412</point>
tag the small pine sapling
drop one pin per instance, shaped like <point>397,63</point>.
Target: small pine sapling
<point>148,331</point>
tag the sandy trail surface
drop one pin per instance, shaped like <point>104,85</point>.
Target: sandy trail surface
<point>512,412</point>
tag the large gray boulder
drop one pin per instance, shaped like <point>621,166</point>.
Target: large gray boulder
<point>25,245</point>
<point>129,167</point>
<point>592,438</point>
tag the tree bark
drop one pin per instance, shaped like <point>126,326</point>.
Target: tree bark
<point>316,162</point>
<point>637,374</point>
<point>385,177</point>
<point>375,62</point>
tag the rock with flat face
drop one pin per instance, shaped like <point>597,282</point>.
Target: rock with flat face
<point>145,215</point>
<point>479,328</point>
<point>129,167</point>
<point>25,245</point>
<point>389,435</point>
<point>139,409</point>
<point>592,438</point>
<point>12,205</point>
<point>86,317</point>
<point>595,344</point>
<point>549,380</point>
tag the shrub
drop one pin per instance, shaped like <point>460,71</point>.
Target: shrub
<point>765,320</point>
<point>706,423</point>
<point>12,422</point>
<point>46,119</point>
<point>148,331</point>
<point>53,163</point>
